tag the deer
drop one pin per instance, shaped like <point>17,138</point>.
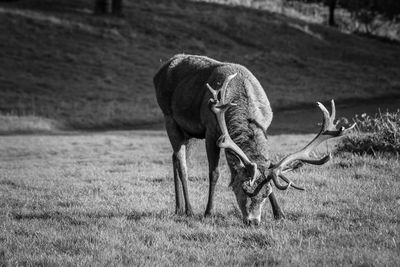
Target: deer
<point>226,105</point>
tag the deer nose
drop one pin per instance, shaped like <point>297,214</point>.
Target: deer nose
<point>252,221</point>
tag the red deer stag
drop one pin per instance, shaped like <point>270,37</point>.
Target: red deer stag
<point>235,118</point>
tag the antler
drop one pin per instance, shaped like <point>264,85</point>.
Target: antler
<point>219,107</point>
<point>328,131</point>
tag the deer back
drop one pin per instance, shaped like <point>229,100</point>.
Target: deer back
<point>182,93</point>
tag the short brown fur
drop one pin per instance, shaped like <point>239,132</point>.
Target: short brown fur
<point>184,100</point>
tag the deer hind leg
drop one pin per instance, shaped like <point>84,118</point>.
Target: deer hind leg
<point>276,210</point>
<point>178,143</point>
<point>178,190</point>
<point>213,156</point>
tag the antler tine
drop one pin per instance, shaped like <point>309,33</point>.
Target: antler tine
<point>290,183</point>
<point>221,103</point>
<point>219,107</point>
<point>326,117</point>
<point>333,112</point>
<point>274,177</point>
<point>213,92</point>
<point>344,131</point>
<point>328,131</point>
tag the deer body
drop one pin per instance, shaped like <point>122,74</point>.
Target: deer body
<point>184,100</point>
<point>236,118</point>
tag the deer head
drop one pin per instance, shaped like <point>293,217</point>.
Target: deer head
<point>255,186</point>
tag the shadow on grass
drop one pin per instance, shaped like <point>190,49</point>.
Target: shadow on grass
<point>259,240</point>
<point>81,218</point>
<point>204,237</point>
<point>329,219</point>
<point>232,218</point>
<point>139,215</point>
<point>49,215</point>
<point>216,219</point>
<point>295,216</point>
<point>261,259</point>
<point>132,215</point>
<point>15,185</point>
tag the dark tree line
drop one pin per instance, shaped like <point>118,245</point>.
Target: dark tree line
<point>361,9</point>
<point>387,8</point>
<point>331,4</point>
<point>108,7</point>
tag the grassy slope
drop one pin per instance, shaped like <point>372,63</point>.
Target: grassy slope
<point>107,199</point>
<point>61,62</point>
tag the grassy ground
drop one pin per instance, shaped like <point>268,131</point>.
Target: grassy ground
<point>107,199</point>
<point>61,62</point>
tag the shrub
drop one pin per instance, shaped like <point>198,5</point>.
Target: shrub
<point>378,133</point>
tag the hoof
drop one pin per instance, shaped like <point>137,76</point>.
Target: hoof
<point>189,213</point>
<point>207,214</point>
<point>279,216</point>
<point>179,211</point>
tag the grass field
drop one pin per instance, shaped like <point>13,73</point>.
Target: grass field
<point>107,199</point>
<point>99,199</point>
<point>61,62</point>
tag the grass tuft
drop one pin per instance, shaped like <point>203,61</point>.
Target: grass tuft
<point>204,237</point>
<point>258,240</point>
<point>374,134</point>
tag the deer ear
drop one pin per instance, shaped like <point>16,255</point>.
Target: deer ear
<point>258,105</point>
<point>237,164</point>
<point>237,169</point>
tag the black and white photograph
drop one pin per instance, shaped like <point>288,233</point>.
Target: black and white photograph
<point>199,133</point>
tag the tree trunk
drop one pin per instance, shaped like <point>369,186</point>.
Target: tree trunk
<point>332,6</point>
<point>117,7</point>
<point>101,6</point>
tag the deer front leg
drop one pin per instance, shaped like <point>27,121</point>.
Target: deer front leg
<point>276,210</point>
<point>213,155</point>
